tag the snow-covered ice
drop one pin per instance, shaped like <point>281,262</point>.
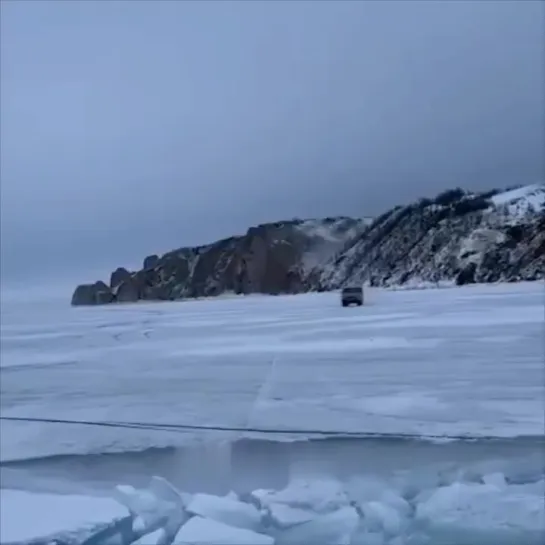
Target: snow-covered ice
<point>25,516</point>
<point>460,361</point>
<point>430,361</point>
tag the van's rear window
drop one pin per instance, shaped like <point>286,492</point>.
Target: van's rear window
<point>352,290</point>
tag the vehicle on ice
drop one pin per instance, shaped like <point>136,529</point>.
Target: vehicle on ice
<point>352,296</point>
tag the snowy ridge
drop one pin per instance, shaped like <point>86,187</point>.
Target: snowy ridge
<point>518,205</point>
<point>459,237</point>
<point>531,195</point>
<point>466,507</point>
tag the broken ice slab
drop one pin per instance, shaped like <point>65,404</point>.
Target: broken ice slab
<point>201,531</point>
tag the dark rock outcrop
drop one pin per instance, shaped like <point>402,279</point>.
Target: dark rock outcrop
<point>128,291</point>
<point>466,275</point>
<point>119,275</point>
<point>458,237</point>
<point>271,258</point>
<point>92,294</point>
<point>151,261</point>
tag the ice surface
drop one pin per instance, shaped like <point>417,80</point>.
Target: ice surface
<point>451,361</point>
<point>24,516</point>
<point>381,518</point>
<point>495,479</point>
<point>284,516</point>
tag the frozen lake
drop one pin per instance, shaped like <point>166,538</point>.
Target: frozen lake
<point>460,361</point>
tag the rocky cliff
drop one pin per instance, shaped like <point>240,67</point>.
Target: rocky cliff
<point>271,258</point>
<point>459,236</point>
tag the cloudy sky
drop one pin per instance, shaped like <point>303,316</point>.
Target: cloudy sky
<point>129,128</point>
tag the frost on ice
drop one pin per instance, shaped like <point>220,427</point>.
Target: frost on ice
<point>489,509</point>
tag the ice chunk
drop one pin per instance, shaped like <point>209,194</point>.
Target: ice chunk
<point>336,528</point>
<point>412,483</point>
<point>202,531</point>
<point>225,509</point>
<point>140,503</point>
<point>155,538</point>
<point>260,497</point>
<point>390,498</point>
<point>174,506</point>
<point>322,496</point>
<point>364,489</point>
<point>165,491</point>
<point>473,513</point>
<point>380,517</point>
<point>159,506</point>
<point>284,516</point>
<point>495,479</point>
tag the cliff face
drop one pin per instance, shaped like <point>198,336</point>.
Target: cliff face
<point>271,258</point>
<point>456,236</point>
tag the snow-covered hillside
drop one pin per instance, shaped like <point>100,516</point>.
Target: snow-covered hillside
<point>530,195</point>
<point>519,205</point>
<point>458,236</point>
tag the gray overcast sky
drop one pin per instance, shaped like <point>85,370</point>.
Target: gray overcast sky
<point>134,127</point>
